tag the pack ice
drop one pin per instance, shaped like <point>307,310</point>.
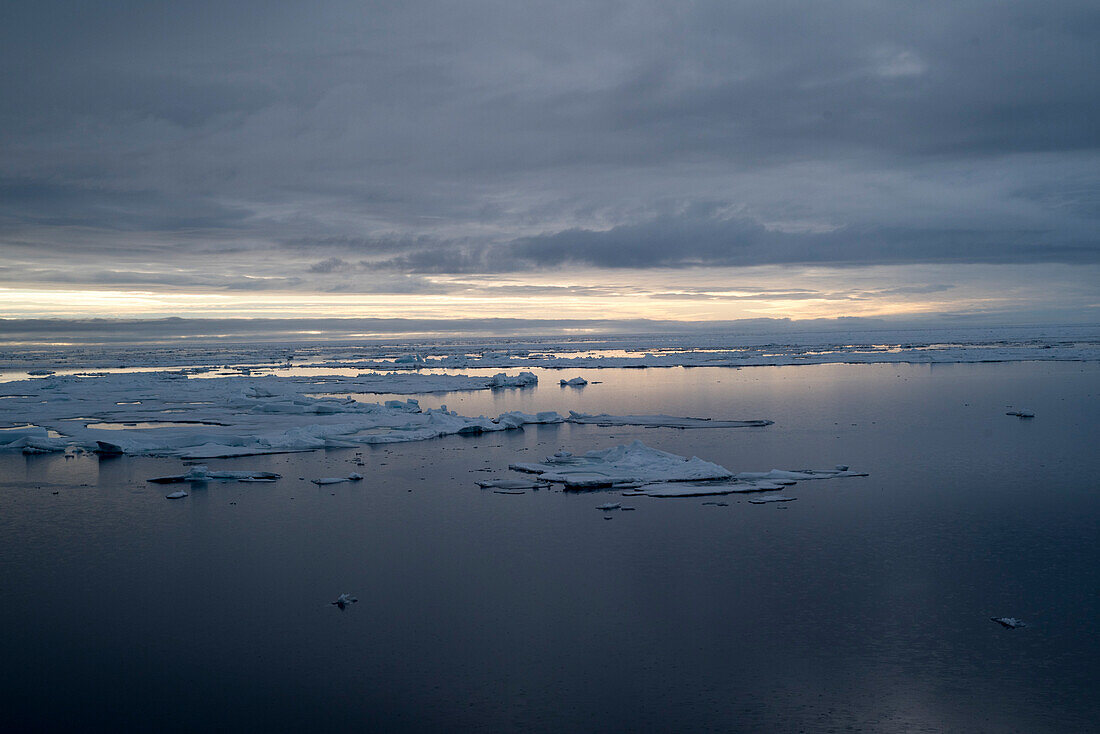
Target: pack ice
<point>176,414</point>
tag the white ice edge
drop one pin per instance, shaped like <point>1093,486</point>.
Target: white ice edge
<point>646,471</point>
<point>237,416</point>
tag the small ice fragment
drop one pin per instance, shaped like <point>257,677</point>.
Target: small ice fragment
<point>610,506</point>
<point>177,495</point>
<point>765,500</point>
<point>842,467</point>
<point>336,480</point>
<point>509,491</point>
<point>343,600</point>
<point>627,509</point>
<point>511,484</point>
<point>717,504</point>
<point>1009,622</point>
<point>355,477</point>
<point>1021,413</point>
<point>575,382</point>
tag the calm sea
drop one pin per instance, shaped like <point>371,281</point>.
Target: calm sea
<point>863,605</point>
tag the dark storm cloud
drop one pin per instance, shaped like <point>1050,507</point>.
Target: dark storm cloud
<point>490,137</point>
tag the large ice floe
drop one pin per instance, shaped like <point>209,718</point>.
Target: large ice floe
<point>644,471</point>
<point>200,417</point>
<point>631,464</point>
<point>174,414</point>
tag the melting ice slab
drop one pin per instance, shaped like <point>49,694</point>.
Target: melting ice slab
<point>702,490</point>
<point>1009,622</point>
<point>353,477</point>
<point>202,474</point>
<point>661,421</point>
<point>622,465</point>
<point>233,416</point>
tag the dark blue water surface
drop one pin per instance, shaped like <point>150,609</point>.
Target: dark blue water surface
<point>863,605</point>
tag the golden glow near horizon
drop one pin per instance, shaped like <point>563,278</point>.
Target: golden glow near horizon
<point>688,295</point>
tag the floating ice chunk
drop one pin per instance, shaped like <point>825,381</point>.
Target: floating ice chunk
<point>1009,622</point>
<point>704,490</point>
<point>780,475</point>
<point>343,600</point>
<point>509,491</point>
<point>512,484</point>
<point>516,418</point>
<point>575,382</point>
<point>1021,413</point>
<point>766,500</point>
<point>609,506</point>
<point>661,421</point>
<point>178,494</point>
<point>523,379</point>
<point>202,474</point>
<point>353,477</point>
<point>621,465</point>
<point>37,373</point>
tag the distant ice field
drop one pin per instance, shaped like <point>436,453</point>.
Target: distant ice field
<point>865,603</point>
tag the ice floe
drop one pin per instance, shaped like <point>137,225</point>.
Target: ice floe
<point>215,417</point>
<point>702,490</point>
<point>772,498</point>
<point>609,506</point>
<point>353,477</point>
<point>641,471</point>
<point>621,465</point>
<point>512,484</point>
<point>661,421</point>
<point>1009,622</point>
<point>575,382</point>
<point>177,495</point>
<point>202,474</point>
<point>781,476</point>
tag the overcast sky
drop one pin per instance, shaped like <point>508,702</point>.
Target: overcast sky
<point>692,160</point>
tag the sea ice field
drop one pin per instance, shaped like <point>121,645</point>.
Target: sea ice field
<point>840,539</point>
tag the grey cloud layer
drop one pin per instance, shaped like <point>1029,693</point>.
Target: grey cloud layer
<point>492,137</point>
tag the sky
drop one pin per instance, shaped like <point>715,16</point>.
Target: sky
<point>687,161</point>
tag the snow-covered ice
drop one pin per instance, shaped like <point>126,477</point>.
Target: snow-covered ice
<point>215,417</point>
<point>620,465</point>
<point>202,474</point>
